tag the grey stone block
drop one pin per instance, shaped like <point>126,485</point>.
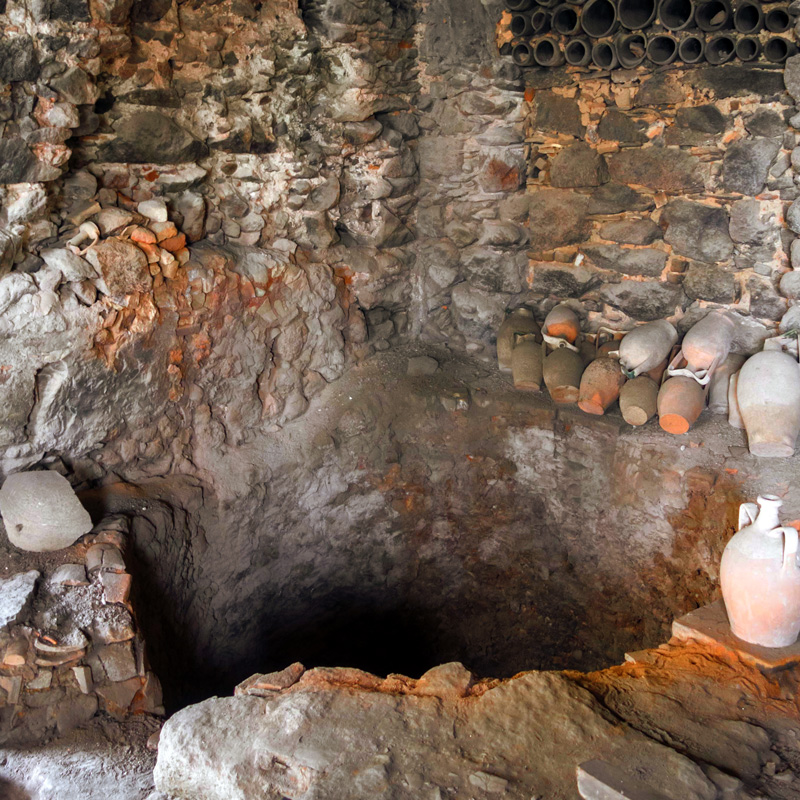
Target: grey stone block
<point>698,231</point>
<point>746,164</point>
<point>644,261</point>
<point>578,165</point>
<point>558,217</point>
<point>707,282</point>
<point>631,231</point>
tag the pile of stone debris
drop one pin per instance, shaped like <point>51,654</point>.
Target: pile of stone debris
<point>69,641</point>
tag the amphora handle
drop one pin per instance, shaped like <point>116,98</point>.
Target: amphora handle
<point>789,546</point>
<point>747,514</point>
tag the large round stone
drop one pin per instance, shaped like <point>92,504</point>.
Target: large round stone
<point>41,511</point>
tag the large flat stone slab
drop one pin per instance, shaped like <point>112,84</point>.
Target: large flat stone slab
<point>709,625</point>
<point>339,734</point>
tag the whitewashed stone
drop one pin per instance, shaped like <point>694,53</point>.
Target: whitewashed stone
<point>155,210</point>
<point>15,595</point>
<point>41,512</point>
<point>72,266</point>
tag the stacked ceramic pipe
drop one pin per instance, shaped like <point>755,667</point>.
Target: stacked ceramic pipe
<point>627,33</point>
<point>648,373</point>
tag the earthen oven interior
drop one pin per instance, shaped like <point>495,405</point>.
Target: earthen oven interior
<point>293,396</point>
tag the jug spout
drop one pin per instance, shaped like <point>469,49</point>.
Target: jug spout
<point>768,515</point>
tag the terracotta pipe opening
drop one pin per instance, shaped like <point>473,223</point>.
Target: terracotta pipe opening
<point>566,20</point>
<point>636,14</point>
<point>604,55</point>
<point>662,49</point>
<point>777,20</point>
<point>676,15</point>
<point>578,52</point>
<point>691,49</point>
<point>748,48</point>
<point>720,49</point>
<point>712,15</point>
<point>748,18</point>
<point>631,49</point>
<point>599,18</point>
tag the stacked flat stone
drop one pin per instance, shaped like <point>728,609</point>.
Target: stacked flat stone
<point>69,643</point>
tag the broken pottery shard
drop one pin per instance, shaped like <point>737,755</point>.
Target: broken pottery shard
<point>15,596</point>
<point>41,511</point>
<point>263,685</point>
<point>599,780</point>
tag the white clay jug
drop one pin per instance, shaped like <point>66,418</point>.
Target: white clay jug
<point>760,577</point>
<point>646,346</point>
<point>768,393</point>
<point>707,343</point>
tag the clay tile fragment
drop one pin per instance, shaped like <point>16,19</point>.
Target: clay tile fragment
<point>264,685</point>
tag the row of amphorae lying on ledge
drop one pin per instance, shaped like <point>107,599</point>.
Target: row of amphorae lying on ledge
<point>649,373</point>
<point>549,33</point>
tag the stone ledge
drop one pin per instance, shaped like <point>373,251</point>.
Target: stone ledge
<point>709,625</point>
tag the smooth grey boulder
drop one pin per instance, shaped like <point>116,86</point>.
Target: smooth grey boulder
<point>41,511</point>
<point>15,596</point>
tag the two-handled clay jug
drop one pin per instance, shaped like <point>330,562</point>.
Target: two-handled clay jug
<point>760,576</point>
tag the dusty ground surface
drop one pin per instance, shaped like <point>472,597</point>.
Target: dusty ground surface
<point>105,759</point>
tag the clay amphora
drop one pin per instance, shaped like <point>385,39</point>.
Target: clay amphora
<point>708,342</point>
<point>600,385</point>
<point>562,375</point>
<point>768,392</point>
<point>638,400</point>
<point>734,415</point>
<point>680,402</point>
<point>526,362</point>
<point>562,323</point>
<point>647,346</point>
<point>519,321</point>
<point>760,577</point>
<point>720,381</point>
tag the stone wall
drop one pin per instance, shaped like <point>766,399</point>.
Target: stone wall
<point>69,640</point>
<point>661,194</point>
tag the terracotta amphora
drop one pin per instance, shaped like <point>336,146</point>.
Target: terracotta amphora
<point>760,577</point>
<point>600,385</point>
<point>768,392</point>
<point>734,415</point>
<point>720,381</point>
<point>646,347</point>
<point>519,321</point>
<point>638,400</point>
<point>562,375</point>
<point>707,343</point>
<point>562,323</point>
<point>526,362</point>
<point>680,402</point>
